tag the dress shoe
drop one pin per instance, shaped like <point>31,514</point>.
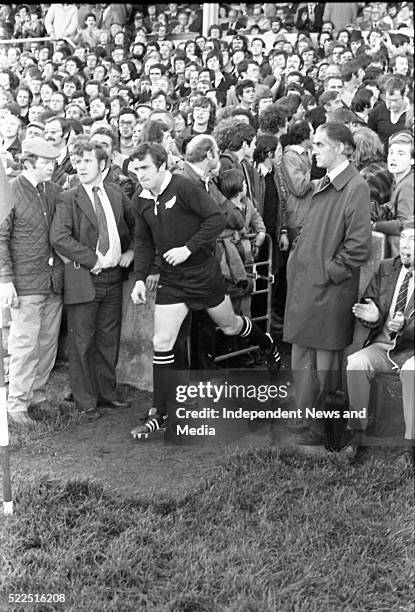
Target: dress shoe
<point>91,415</point>
<point>21,418</point>
<point>311,438</point>
<point>68,397</point>
<point>352,450</point>
<point>117,403</point>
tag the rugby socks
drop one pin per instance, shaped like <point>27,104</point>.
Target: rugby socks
<point>265,342</point>
<point>163,362</point>
<point>252,331</point>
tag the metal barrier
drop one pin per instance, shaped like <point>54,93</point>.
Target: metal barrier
<point>19,41</point>
<point>258,271</point>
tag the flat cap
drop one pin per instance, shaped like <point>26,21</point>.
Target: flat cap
<point>40,147</point>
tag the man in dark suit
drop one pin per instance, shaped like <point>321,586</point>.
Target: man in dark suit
<point>310,17</point>
<point>234,24</point>
<point>93,231</point>
<point>387,309</point>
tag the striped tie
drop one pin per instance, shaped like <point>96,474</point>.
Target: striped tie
<point>403,294</point>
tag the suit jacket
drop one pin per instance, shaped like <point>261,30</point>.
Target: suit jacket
<point>61,171</point>
<point>323,267</point>
<point>381,289</point>
<point>303,22</point>
<point>74,230</point>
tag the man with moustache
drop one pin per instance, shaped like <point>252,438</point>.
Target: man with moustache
<point>57,131</point>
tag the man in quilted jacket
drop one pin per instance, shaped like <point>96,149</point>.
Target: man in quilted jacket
<point>31,280</point>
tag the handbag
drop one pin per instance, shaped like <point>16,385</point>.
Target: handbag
<point>78,285</point>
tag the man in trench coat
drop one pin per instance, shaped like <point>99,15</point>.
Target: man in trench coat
<point>323,273</point>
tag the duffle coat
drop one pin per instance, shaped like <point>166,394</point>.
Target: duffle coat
<point>323,267</point>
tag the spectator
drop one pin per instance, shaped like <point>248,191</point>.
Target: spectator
<point>31,281</point>
<point>369,156</point>
<point>94,306</point>
<point>401,166</point>
<point>61,21</point>
<point>57,130</point>
<point>324,269</point>
<point>389,117</point>
<point>386,309</point>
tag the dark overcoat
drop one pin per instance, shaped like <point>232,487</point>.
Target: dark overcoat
<point>323,267</point>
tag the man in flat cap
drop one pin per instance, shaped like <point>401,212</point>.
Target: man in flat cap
<point>31,280</point>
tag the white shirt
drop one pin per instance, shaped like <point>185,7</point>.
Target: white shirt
<point>61,156</point>
<point>338,170</point>
<point>113,255</point>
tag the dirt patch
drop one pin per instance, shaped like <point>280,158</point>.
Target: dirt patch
<point>104,452</point>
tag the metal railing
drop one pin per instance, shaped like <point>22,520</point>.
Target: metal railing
<point>19,41</point>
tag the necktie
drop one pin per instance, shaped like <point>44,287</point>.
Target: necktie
<point>311,13</point>
<point>205,181</point>
<point>403,294</point>
<point>104,241</point>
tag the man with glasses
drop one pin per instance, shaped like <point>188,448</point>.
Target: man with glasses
<point>127,120</point>
<point>323,273</point>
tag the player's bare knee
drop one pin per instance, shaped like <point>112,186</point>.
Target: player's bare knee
<point>162,343</point>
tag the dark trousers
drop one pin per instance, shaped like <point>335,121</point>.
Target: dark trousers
<point>94,338</point>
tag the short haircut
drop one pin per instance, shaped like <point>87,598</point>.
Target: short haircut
<point>153,131</point>
<point>395,84</point>
<point>106,131</point>
<point>239,134</point>
<point>402,137</point>
<point>82,146</point>
<point>242,85</point>
<point>298,132</point>
<point>156,151</point>
<point>198,147</point>
<point>64,123</point>
<point>362,100</point>
<point>272,119</point>
<point>265,144</point>
<point>338,132</point>
<point>231,182</point>
<point>368,146</point>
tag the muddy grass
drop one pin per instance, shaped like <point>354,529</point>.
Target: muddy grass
<point>104,452</point>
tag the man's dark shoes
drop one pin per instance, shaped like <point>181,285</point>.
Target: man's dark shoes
<point>92,414</point>
<point>116,403</point>
<point>352,450</point>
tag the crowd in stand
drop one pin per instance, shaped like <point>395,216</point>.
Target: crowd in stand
<point>258,86</point>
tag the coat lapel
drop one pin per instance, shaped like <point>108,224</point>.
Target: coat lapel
<point>115,201</point>
<point>85,205</point>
